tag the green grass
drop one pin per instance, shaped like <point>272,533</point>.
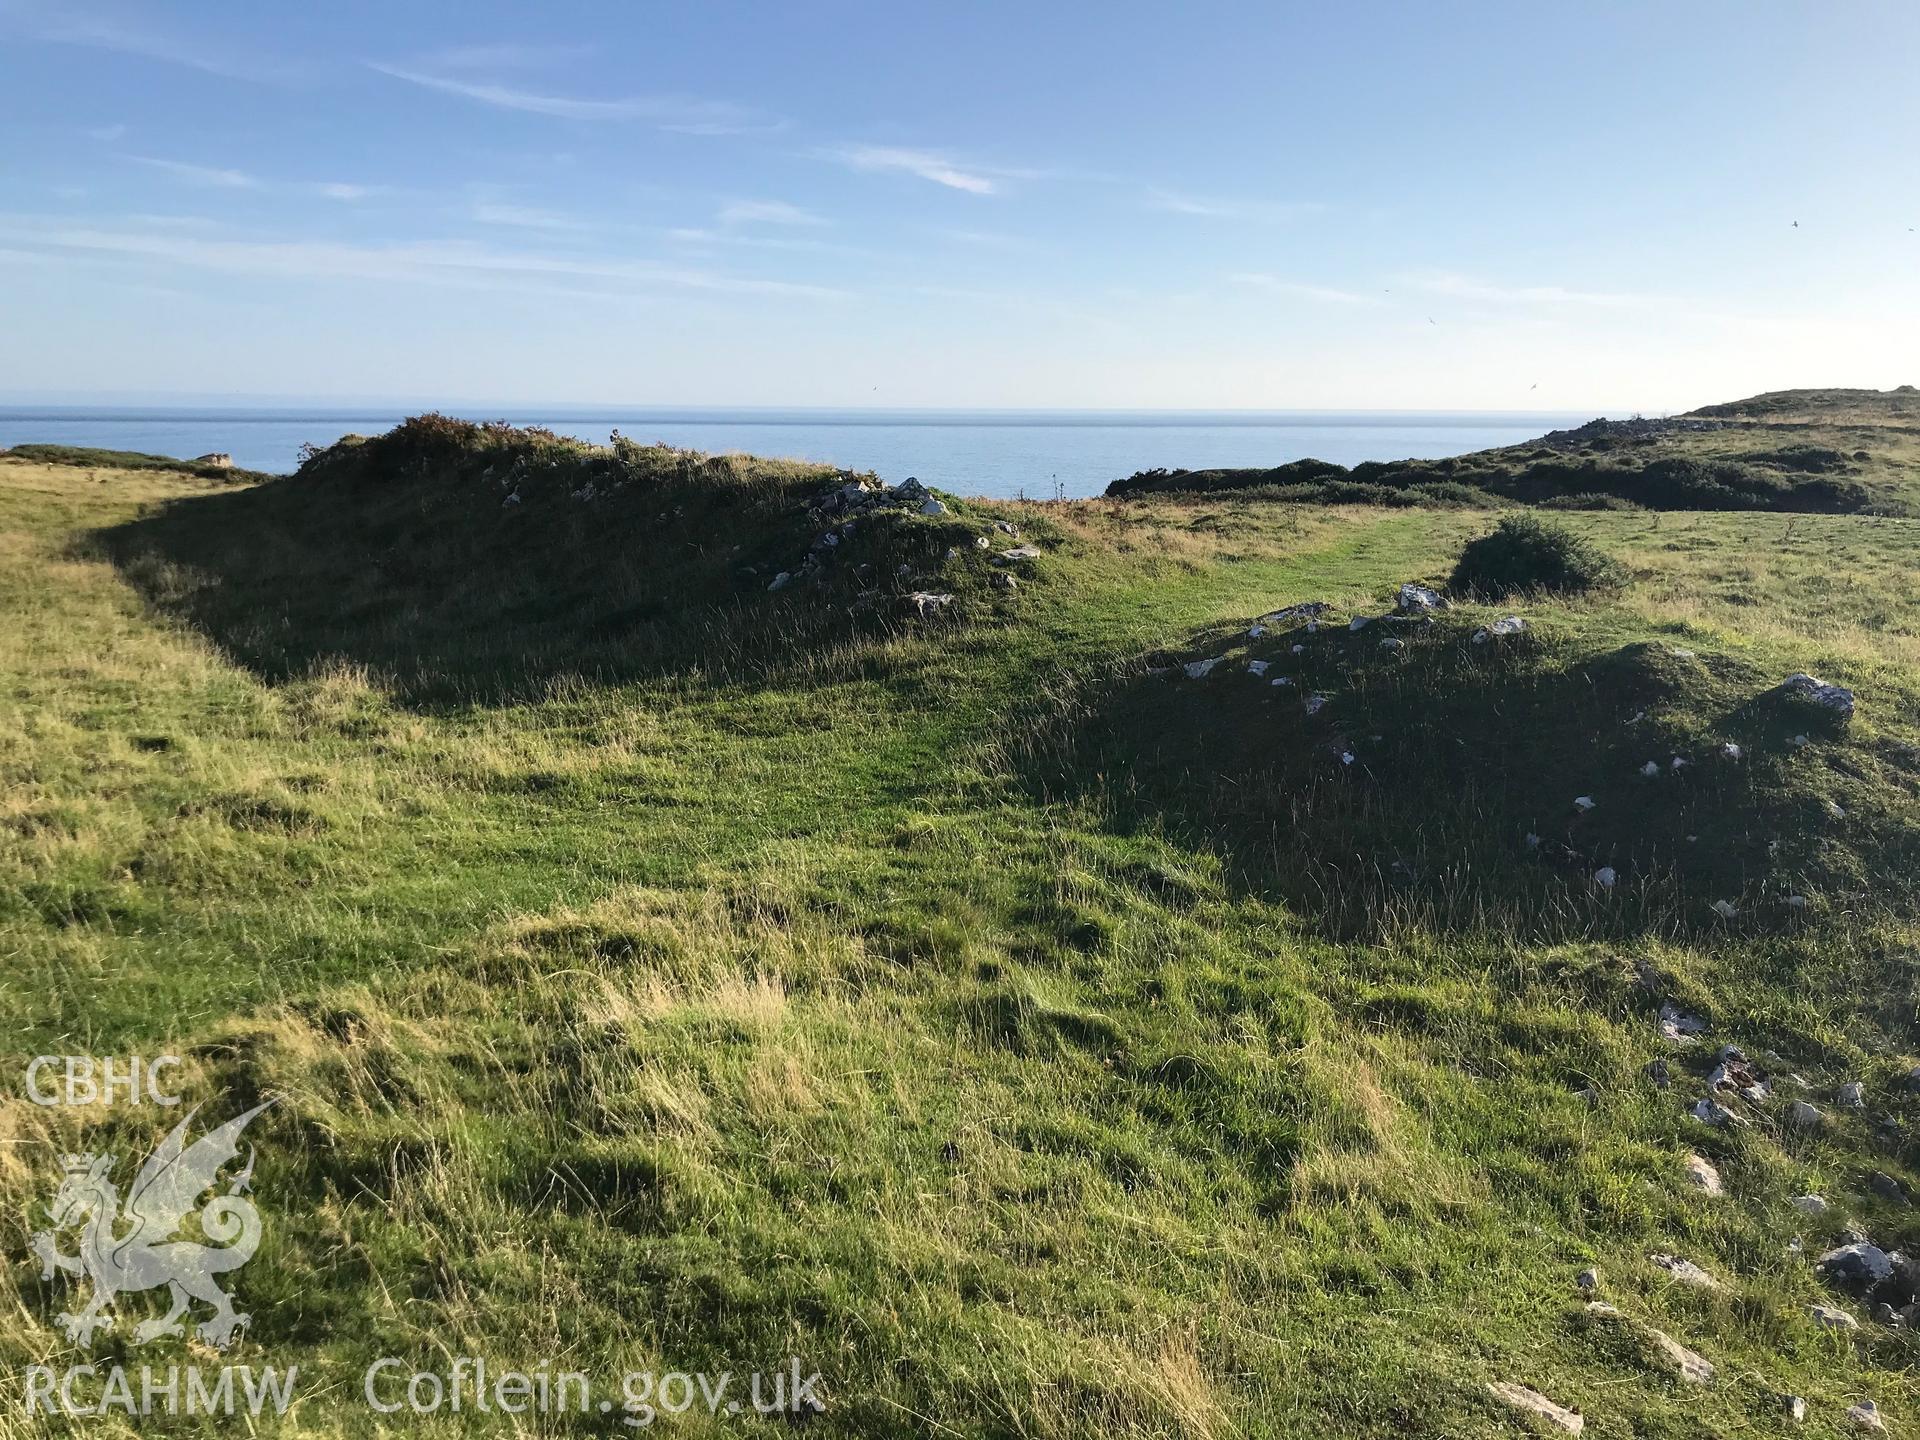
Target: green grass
<point>665,973</point>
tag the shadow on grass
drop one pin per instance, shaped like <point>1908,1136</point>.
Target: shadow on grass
<point>1406,777</point>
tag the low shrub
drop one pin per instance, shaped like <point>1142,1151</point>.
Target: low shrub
<point>1526,554</point>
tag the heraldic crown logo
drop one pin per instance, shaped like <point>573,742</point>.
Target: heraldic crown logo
<point>130,1246</point>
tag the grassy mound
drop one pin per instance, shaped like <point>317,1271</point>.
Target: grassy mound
<point>1430,772</point>
<point>459,557</point>
<point>1526,555</point>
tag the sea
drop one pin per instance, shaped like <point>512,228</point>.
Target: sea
<point>1004,454</point>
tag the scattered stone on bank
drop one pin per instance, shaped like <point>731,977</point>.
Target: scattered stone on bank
<point>1712,1112</point>
<point>1316,703</point>
<point>1704,1176</point>
<point>511,500</point>
<point>1677,764</point>
<point>1835,810</point>
<point>1860,1266</point>
<point>1007,527</point>
<point>1583,803</point>
<point>1685,1271</point>
<point>1731,751</point>
<point>781,581</point>
<point>1256,667</point>
<point>925,604</point>
<point>1256,632</point>
<point>1534,1403</point>
<point>1725,909</point>
<point>1689,1364</point>
<point>1606,877</point>
<point>1796,1408</point>
<point>1651,769</point>
<point>1418,600</point>
<point>1200,669</point>
<point>1306,610</point>
<point>1851,1096</point>
<point>1005,581</point>
<point>1809,1204</point>
<point>1588,1279</point>
<point>1299,649</point>
<point>1283,680</point>
<point>980,542</point>
<point>1886,1187</point>
<point>1796,902</point>
<point>1804,1115</point>
<point>1836,698</point>
<point>1601,1310</point>
<point>1359,622</point>
<point>933,507</point>
<point>1833,1319</point>
<point>1392,643</point>
<point>1677,1024</point>
<point>1017,554</point>
<point>1866,1415</point>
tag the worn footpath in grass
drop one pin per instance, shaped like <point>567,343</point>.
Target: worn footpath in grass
<point>1017,1038</point>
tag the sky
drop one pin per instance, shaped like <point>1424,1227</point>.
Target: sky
<point>1478,205</point>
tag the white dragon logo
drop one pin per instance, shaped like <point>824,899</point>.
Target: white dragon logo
<point>167,1189</point>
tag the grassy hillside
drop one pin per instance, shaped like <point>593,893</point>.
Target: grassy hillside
<point>1819,451</point>
<point>665,971</point>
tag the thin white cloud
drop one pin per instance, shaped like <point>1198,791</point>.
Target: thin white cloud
<point>107,134</point>
<point>213,175</point>
<point>222,178</point>
<point>528,217</point>
<point>974,179</point>
<point>688,116</point>
<point>1299,290</point>
<point>1210,208</point>
<point>506,55</point>
<point>766,212</point>
<point>431,262</point>
<point>70,25</point>
<point>1463,287</point>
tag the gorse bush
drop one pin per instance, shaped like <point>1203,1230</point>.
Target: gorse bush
<point>1525,554</point>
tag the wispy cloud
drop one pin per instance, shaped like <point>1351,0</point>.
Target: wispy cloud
<point>1299,290</point>
<point>107,134</point>
<point>221,178</point>
<point>766,212</point>
<point>70,24</point>
<point>421,262</point>
<point>507,55</point>
<point>668,112</point>
<point>527,217</point>
<point>1211,208</point>
<point>928,165</point>
<point>199,174</point>
<point>1463,287</point>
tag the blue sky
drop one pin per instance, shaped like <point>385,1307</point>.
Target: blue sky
<point>1472,205</point>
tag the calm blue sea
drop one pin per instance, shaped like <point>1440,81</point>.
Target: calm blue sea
<point>996,453</point>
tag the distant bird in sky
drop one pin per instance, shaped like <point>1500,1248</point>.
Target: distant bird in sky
<point>1796,224</point>
<point>1534,386</point>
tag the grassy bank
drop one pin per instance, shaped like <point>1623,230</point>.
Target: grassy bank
<point>663,970</point>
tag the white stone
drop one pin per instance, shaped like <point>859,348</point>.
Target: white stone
<point>1701,1172</point>
<point>1256,667</point>
<point>1583,803</point>
<point>1605,877</point>
<point>1809,1204</point>
<point>1532,1401</point>
<point>1200,669</point>
<point>1833,1319</point>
